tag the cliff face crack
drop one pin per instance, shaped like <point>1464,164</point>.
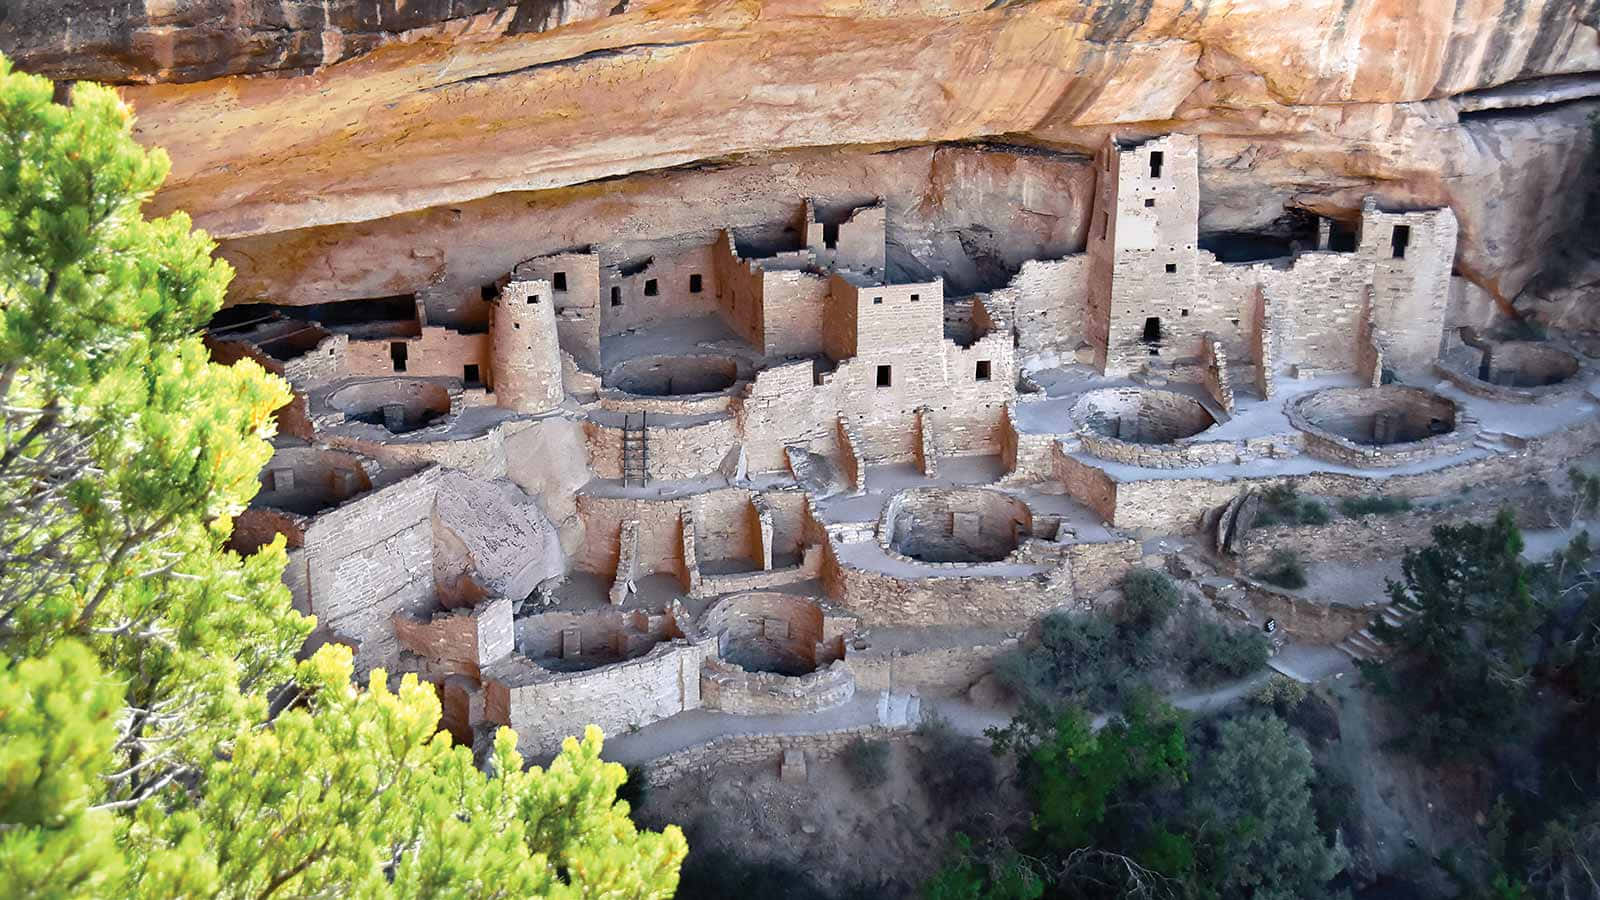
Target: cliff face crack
<point>568,62</point>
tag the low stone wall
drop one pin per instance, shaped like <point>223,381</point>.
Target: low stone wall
<point>543,707</point>
<point>1179,504</point>
<point>1385,536</point>
<point>1186,454</point>
<point>1309,620</point>
<point>883,599</point>
<point>934,671</point>
<point>731,689</point>
<point>747,749</point>
<point>675,452</point>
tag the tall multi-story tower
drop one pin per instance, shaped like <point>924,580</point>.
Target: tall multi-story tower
<point>524,348</point>
<point>1143,261</point>
<point>1411,254</point>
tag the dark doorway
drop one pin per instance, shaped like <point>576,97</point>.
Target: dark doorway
<point>883,376</point>
<point>695,284</point>
<point>469,374</point>
<point>830,235</point>
<point>1402,237</point>
<point>559,282</point>
<point>397,353</point>
<point>1152,330</point>
<point>616,296</point>
<point>650,288</point>
<point>982,373</point>
<point>1156,158</point>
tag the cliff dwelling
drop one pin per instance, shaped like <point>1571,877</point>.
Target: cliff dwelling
<point>774,470</point>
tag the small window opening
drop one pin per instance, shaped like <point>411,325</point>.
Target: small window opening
<point>1183,313</point>
<point>487,292</point>
<point>1402,237</point>
<point>532,299</point>
<point>1235,322</point>
<point>694,283</point>
<point>469,374</point>
<point>830,236</point>
<point>915,297</point>
<point>1172,268</point>
<point>616,296</point>
<point>1150,203</point>
<point>397,355</point>
<point>650,288</point>
<point>982,373</point>
<point>559,281</point>
<point>877,300</point>
<point>884,379</point>
<point>1152,330</point>
<point>1156,158</point>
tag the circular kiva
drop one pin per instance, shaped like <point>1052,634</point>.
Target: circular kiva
<point>955,525</point>
<point>674,376</point>
<point>398,404</point>
<point>1141,415</point>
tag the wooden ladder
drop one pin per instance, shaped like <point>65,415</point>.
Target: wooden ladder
<point>635,450</point>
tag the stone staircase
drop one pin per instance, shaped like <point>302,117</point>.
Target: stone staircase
<point>1497,441</point>
<point>1364,645</point>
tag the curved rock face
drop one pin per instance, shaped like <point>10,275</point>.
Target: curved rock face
<point>341,134</point>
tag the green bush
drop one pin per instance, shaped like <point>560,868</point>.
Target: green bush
<point>1280,692</point>
<point>1282,505</point>
<point>1149,598</point>
<point>1218,653</point>
<point>1284,569</point>
<point>1355,507</point>
<point>867,762</point>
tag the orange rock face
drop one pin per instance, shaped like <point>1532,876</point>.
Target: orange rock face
<point>435,142</point>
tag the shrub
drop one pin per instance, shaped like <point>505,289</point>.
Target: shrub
<point>1280,692</point>
<point>1282,505</point>
<point>956,771</point>
<point>867,762</point>
<point>1355,507</point>
<point>1149,598</point>
<point>1284,569</point>
<point>1217,653</point>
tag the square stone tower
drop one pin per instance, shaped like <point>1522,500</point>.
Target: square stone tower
<point>1143,261</point>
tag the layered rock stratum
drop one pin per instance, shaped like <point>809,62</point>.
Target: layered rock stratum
<point>360,148</point>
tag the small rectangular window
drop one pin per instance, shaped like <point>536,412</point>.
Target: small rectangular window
<point>694,283</point>
<point>830,236</point>
<point>469,374</point>
<point>397,355</point>
<point>650,289</point>
<point>1402,237</point>
<point>532,299</point>
<point>915,297</point>
<point>877,300</point>
<point>487,292</point>
<point>1172,267</point>
<point>1105,224</point>
<point>559,281</point>
<point>1149,203</point>
<point>1183,312</point>
<point>982,374</point>
<point>616,296</point>
<point>1156,158</point>
<point>883,377</point>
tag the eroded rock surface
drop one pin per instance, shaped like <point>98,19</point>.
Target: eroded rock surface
<point>319,138</point>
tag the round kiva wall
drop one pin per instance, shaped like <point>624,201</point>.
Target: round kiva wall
<point>398,404</point>
<point>767,632</point>
<point>1526,364</point>
<point>673,376</point>
<point>1141,415</point>
<point>954,525</point>
<point>1380,426</point>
